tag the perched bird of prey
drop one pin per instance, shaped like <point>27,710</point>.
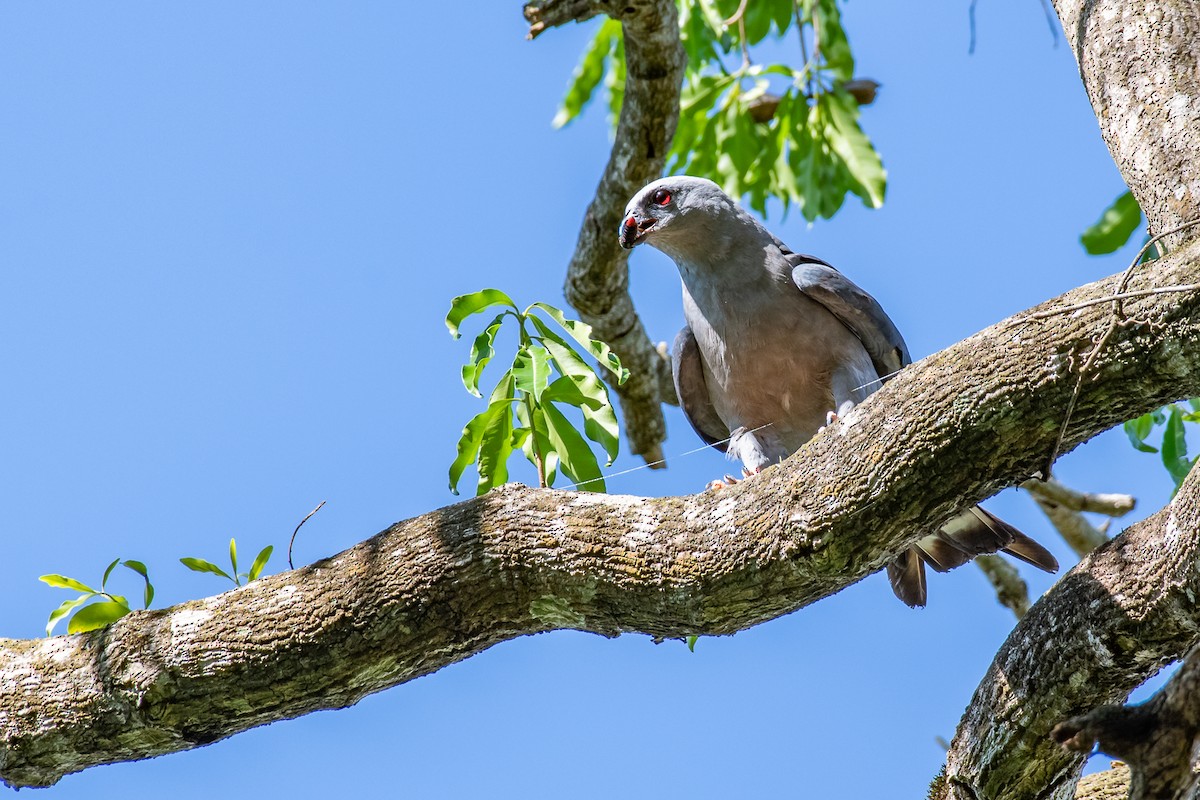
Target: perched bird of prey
<point>776,344</point>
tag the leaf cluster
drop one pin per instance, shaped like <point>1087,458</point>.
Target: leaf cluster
<point>760,131</point>
<point>547,371</point>
<point>1173,449</point>
<point>108,607</point>
<point>235,577</point>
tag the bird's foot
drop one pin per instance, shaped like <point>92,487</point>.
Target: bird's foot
<point>729,480</point>
<point>722,483</point>
<point>830,418</point>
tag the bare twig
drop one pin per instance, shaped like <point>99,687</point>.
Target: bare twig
<point>1053,312</point>
<point>292,541</point>
<point>737,15</point>
<point>1011,589</point>
<point>1108,504</point>
<point>1079,534</point>
<point>1118,317</point>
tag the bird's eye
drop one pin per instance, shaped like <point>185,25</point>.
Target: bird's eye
<point>662,197</point>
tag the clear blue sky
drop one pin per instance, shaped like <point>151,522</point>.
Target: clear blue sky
<point>229,233</point>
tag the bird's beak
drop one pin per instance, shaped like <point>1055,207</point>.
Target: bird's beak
<point>633,229</point>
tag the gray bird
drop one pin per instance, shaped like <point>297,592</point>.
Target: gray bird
<point>777,344</point>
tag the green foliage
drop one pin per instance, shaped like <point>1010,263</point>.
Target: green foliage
<point>548,370</point>
<point>1115,226</point>
<point>1173,448</point>
<point>760,131</point>
<point>108,607</point>
<point>256,568</point>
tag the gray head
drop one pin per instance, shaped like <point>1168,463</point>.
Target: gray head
<point>672,211</point>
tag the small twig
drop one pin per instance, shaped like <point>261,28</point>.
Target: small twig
<point>298,527</point>
<point>1110,505</point>
<point>1095,301</point>
<point>1118,316</point>
<point>737,15</point>
<point>1011,589</point>
<point>1079,534</point>
<point>971,21</point>
<point>741,23</point>
<point>1051,21</point>
<point>810,64</point>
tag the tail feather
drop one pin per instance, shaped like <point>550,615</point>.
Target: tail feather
<point>907,575</point>
<point>972,533</point>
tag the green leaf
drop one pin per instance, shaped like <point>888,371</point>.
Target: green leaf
<point>140,569</point>
<point>472,435</point>
<point>494,449</point>
<point>66,608</point>
<point>481,353</point>
<point>465,305</point>
<point>854,149</point>
<point>107,572</point>
<point>200,565</point>
<point>260,562</point>
<point>1115,226</point>
<point>63,582</point>
<point>233,557</point>
<point>588,73</point>
<point>97,615</point>
<point>691,642</point>
<point>1137,430</point>
<point>531,370</point>
<point>577,459</point>
<point>1174,447</point>
<point>582,333</point>
<point>599,419</point>
<point>565,390</point>
<point>835,47</point>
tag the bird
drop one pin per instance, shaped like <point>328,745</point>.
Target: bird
<point>776,346</point>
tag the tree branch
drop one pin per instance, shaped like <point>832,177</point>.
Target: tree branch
<point>433,590</point>
<point>597,283</point>
<point>1137,61</point>
<point>1125,612</point>
<point>1156,738</point>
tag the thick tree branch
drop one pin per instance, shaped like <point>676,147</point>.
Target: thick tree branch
<point>1130,606</point>
<point>1125,612</point>
<point>433,590</point>
<point>597,282</point>
<point>1138,63</point>
<point>1156,738</point>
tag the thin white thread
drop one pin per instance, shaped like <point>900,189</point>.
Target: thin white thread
<point>880,379</point>
<point>664,460</point>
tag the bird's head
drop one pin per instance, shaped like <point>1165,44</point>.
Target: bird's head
<point>668,207</point>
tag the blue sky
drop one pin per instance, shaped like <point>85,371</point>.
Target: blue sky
<point>229,233</point>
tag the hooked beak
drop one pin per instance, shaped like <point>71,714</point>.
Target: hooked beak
<point>633,230</point>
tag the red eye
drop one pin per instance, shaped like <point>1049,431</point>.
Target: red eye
<point>662,197</point>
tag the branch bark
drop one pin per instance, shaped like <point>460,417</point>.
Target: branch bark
<point>1128,608</point>
<point>597,283</point>
<point>1156,738</point>
<point>1138,64</point>
<point>1124,613</point>
<point>436,589</point>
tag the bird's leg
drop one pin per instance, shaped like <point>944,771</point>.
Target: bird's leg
<point>830,418</point>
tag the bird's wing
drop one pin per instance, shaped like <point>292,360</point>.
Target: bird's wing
<point>693,392</point>
<point>854,308</point>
